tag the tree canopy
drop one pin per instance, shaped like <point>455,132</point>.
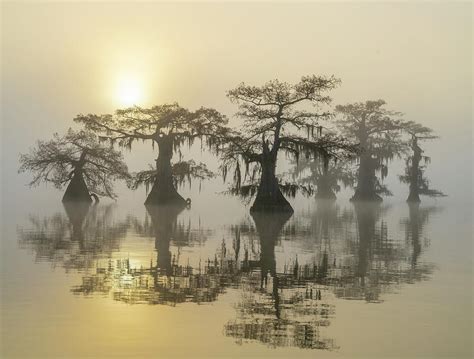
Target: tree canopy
<point>184,172</point>
<point>169,126</point>
<point>328,177</point>
<point>77,153</point>
<point>275,119</point>
<point>378,131</point>
<point>137,123</point>
<point>414,171</point>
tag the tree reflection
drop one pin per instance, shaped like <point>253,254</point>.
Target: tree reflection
<point>167,281</point>
<point>290,270</point>
<point>374,259</point>
<point>76,239</point>
<point>358,258</point>
<point>414,226</point>
<point>353,257</point>
<point>278,309</point>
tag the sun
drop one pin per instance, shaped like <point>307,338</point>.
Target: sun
<point>129,90</point>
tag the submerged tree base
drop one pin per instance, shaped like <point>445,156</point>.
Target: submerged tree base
<point>77,191</point>
<point>413,198</point>
<point>164,196</point>
<point>280,204</point>
<point>163,216</point>
<point>366,197</point>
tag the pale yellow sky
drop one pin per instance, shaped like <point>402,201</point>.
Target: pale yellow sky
<point>59,60</point>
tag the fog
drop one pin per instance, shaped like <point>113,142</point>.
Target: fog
<point>59,60</point>
<point>348,279</point>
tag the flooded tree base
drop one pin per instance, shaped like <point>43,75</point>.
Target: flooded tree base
<point>164,196</point>
<point>413,198</point>
<point>366,197</point>
<point>77,191</point>
<point>271,205</point>
<point>269,196</point>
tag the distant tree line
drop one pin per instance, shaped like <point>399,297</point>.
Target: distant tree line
<point>350,145</point>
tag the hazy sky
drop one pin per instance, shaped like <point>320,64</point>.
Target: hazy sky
<point>59,60</point>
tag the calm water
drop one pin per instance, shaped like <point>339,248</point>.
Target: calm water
<point>332,280</point>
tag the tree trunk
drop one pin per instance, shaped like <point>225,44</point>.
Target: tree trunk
<point>77,190</point>
<point>323,186</point>
<point>163,190</point>
<point>365,190</point>
<point>415,174</point>
<point>269,197</point>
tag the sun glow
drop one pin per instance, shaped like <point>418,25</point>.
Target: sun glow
<point>129,91</point>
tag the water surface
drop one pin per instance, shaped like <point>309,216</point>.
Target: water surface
<point>331,280</point>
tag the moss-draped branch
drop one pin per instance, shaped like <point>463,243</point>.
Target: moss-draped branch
<point>136,123</point>
<point>275,119</point>
<point>184,172</point>
<point>418,133</point>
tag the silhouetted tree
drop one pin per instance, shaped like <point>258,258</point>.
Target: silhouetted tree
<point>414,171</point>
<point>273,123</point>
<point>377,131</point>
<point>169,126</point>
<point>182,172</point>
<point>78,158</point>
<point>327,176</point>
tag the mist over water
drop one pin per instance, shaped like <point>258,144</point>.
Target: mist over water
<point>334,279</point>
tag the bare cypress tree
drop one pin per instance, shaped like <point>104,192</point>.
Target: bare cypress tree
<point>274,120</point>
<point>378,131</point>
<point>414,170</point>
<point>169,126</point>
<point>79,159</point>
